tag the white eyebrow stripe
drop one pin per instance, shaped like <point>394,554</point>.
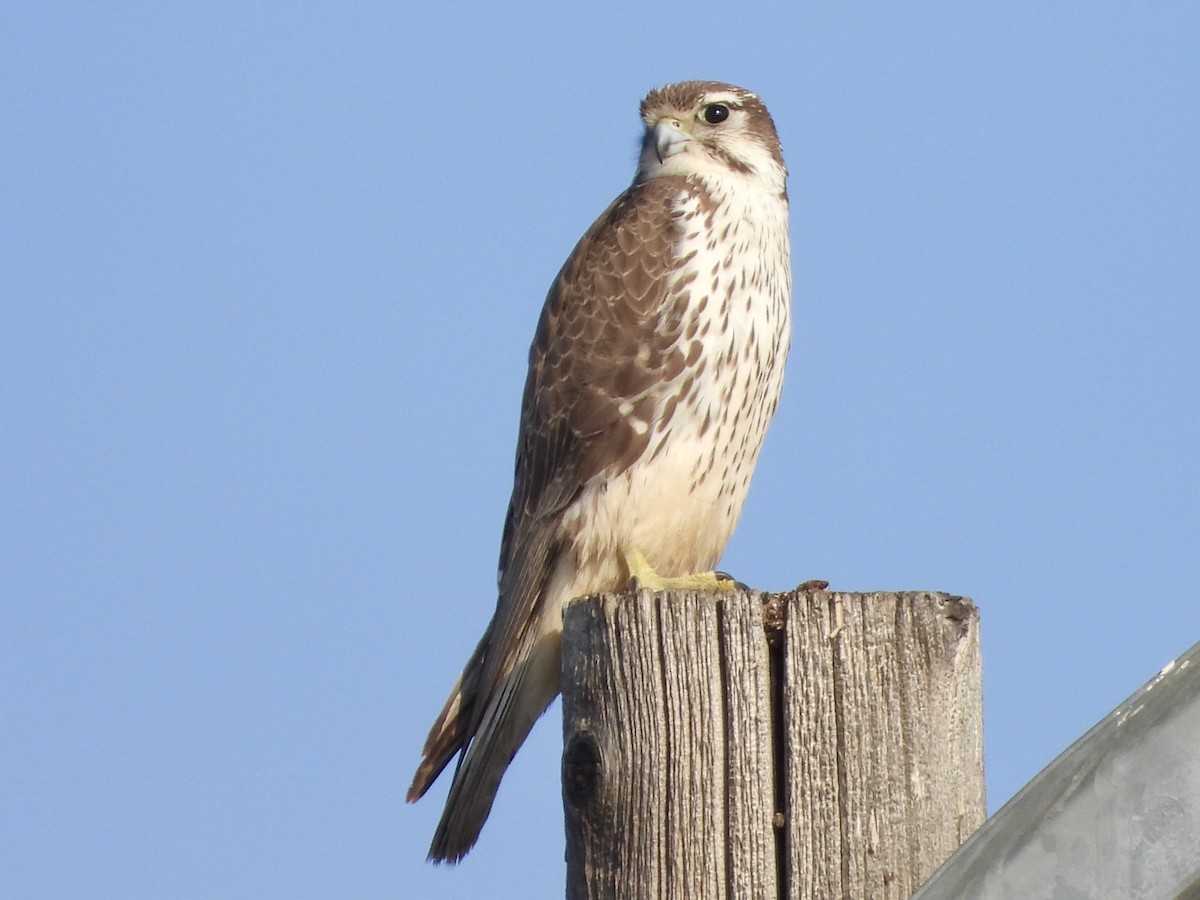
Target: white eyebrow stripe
<point>724,97</point>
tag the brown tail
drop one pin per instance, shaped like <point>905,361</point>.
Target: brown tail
<point>506,720</point>
<point>446,737</point>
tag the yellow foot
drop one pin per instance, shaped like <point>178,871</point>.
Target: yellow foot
<point>642,576</point>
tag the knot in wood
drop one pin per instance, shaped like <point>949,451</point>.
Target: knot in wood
<point>774,610</point>
<point>581,768</point>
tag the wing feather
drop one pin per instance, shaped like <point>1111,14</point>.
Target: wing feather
<point>594,368</point>
<point>604,349</point>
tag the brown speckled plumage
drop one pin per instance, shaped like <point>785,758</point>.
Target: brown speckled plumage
<point>654,371</point>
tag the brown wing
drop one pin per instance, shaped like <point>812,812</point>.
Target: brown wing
<point>607,337</point>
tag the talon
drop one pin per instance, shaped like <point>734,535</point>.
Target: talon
<point>642,575</point>
<point>727,582</point>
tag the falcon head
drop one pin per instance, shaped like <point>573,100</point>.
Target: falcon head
<point>709,128</point>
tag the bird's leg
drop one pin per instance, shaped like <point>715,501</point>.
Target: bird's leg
<point>641,575</point>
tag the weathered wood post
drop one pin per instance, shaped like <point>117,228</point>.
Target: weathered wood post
<point>745,745</point>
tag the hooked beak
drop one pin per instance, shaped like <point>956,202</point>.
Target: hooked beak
<point>669,138</point>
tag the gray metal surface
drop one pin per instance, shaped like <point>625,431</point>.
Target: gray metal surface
<point>1117,815</point>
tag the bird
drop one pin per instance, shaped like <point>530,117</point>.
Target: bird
<point>655,369</point>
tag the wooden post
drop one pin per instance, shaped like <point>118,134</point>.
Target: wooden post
<point>746,745</point>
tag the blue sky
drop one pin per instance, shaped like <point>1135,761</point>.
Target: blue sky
<point>269,278</point>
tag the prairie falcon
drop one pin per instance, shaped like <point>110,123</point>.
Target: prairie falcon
<point>655,369</point>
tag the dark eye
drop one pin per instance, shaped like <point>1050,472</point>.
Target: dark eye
<point>716,113</point>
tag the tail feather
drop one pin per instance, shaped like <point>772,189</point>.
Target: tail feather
<point>503,727</point>
<point>452,730</point>
<point>446,738</point>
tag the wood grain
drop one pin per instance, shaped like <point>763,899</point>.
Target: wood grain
<point>701,761</point>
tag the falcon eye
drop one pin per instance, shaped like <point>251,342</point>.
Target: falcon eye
<point>716,113</point>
